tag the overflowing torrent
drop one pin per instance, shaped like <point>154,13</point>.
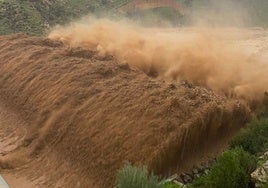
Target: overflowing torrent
<point>97,95</point>
<point>200,55</point>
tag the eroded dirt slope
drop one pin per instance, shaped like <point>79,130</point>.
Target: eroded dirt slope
<point>86,115</point>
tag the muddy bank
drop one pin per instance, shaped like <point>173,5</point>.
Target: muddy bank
<point>87,114</point>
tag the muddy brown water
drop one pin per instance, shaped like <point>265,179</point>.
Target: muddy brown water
<point>71,118</point>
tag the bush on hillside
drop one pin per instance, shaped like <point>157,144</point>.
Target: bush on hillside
<point>136,177</point>
<point>232,170</point>
<point>265,103</point>
<point>253,138</point>
<point>265,185</point>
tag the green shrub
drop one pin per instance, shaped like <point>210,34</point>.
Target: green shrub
<point>253,138</point>
<point>171,185</point>
<point>265,185</point>
<point>232,170</point>
<point>135,177</point>
<point>265,103</point>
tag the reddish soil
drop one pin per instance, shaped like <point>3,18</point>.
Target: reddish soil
<point>86,115</point>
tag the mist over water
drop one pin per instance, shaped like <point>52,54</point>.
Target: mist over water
<point>204,56</point>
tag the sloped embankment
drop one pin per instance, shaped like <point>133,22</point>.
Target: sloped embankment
<point>86,115</point>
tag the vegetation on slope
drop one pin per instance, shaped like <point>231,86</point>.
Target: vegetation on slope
<point>20,16</point>
<point>232,170</point>
<point>134,177</point>
<point>139,177</point>
<point>35,17</point>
